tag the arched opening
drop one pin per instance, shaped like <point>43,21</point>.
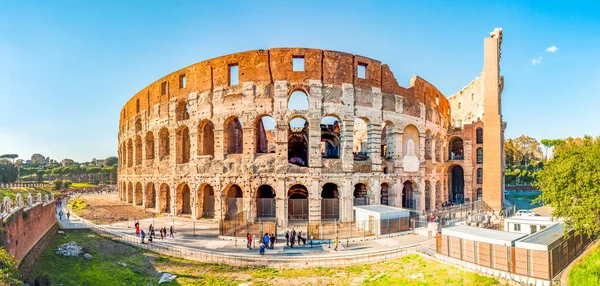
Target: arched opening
<point>183,145</point>
<point>360,140</point>
<point>479,155</point>
<point>130,193</point>
<point>265,202</point>
<point>206,201</point>
<point>138,194</point>
<point>330,202</point>
<point>438,193</point>
<point>438,148</point>
<point>360,195</point>
<point>457,185</point>
<point>265,135</point>
<point>479,176</point>
<point>330,137</point>
<point>479,194</point>
<point>165,199</point>
<point>298,101</point>
<point>150,196</point>
<point>456,151</point>
<point>130,153</point>
<point>123,191</point>
<point>206,138</point>
<point>427,196</point>
<point>234,136</point>
<point>182,112</point>
<point>235,200</point>
<point>385,194</point>
<point>184,202</point>
<point>409,200</point>
<point>164,144</point>
<point>428,144</point>
<point>298,142</point>
<point>479,135</point>
<point>298,203</point>
<point>387,140</point>
<point>149,146</point>
<point>410,149</point>
<point>138,125</point>
<point>138,150</point>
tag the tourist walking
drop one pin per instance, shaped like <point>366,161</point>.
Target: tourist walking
<point>292,238</point>
<point>336,242</point>
<point>262,247</point>
<point>287,238</point>
<point>272,240</point>
<point>68,215</point>
<point>143,236</point>
<point>137,228</point>
<point>60,214</point>
<point>171,231</point>
<point>152,234</point>
<point>249,241</point>
<point>301,238</point>
<point>266,239</point>
<point>162,237</point>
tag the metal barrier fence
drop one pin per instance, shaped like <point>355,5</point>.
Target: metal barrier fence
<point>256,260</point>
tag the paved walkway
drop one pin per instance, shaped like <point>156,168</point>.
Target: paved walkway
<point>202,235</point>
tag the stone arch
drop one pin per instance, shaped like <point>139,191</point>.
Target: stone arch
<point>410,149</point>
<point>330,201</point>
<point>298,203</point>
<point>298,152</point>
<point>438,193</point>
<point>130,152</point>
<point>138,194</point>
<point>298,99</point>
<point>206,138</point>
<point>264,129</point>
<point>184,199</point>
<point>138,150</point>
<point>130,193</point>
<point>438,148</point>
<point>164,143</point>
<point>410,192</point>
<point>331,146</point>
<point>428,195</point>
<point>234,136</point>
<point>149,145</point>
<point>234,200</point>
<point>206,201</point>
<point>456,149</point>
<point>138,125</point>
<point>385,194</point>
<point>150,196</point>
<point>360,139</point>
<point>183,145</point>
<point>456,184</point>
<point>165,198</point>
<point>361,194</point>
<point>387,139</point>
<point>182,111</point>
<point>265,202</point>
<point>428,144</point>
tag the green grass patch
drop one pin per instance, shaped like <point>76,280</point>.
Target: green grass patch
<point>587,270</point>
<point>82,186</point>
<point>12,193</point>
<point>77,204</point>
<point>143,267</point>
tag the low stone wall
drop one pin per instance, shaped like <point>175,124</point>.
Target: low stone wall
<point>23,228</point>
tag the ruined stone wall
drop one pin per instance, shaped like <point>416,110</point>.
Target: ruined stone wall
<point>266,81</point>
<point>24,228</point>
<point>467,104</point>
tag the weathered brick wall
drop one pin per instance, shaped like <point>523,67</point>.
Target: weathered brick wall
<point>23,229</point>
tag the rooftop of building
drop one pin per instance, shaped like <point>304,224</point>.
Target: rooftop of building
<point>483,234</point>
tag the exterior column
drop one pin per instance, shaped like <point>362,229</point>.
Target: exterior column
<point>281,202</point>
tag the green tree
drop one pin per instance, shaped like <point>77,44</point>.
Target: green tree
<point>8,171</point>
<point>66,184</point>
<point>9,156</point>
<point>111,161</point>
<point>570,183</point>
<point>58,184</point>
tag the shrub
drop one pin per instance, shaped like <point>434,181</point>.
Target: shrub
<point>57,184</point>
<point>9,274</point>
<point>66,184</point>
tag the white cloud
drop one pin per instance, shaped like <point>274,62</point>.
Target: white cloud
<point>536,61</point>
<point>552,49</point>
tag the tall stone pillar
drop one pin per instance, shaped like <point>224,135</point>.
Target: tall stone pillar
<point>281,201</point>
<point>493,141</point>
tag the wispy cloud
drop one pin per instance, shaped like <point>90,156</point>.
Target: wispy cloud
<point>537,61</point>
<point>552,49</point>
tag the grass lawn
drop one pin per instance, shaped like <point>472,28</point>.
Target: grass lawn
<point>12,193</point>
<point>587,271</point>
<point>82,186</point>
<point>143,269</point>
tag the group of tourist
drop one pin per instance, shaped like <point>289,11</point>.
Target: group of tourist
<point>267,241</point>
<point>59,210</point>
<point>151,234</point>
<point>291,237</point>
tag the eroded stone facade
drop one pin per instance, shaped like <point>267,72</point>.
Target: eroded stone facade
<point>194,142</point>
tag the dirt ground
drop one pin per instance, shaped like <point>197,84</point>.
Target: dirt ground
<point>107,209</point>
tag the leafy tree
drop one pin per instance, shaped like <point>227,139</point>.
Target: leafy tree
<point>570,183</point>
<point>9,156</point>
<point>8,171</point>
<point>66,184</point>
<point>58,183</point>
<point>111,161</point>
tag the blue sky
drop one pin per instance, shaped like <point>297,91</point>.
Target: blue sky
<point>67,67</point>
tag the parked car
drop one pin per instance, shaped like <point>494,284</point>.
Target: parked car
<point>525,213</point>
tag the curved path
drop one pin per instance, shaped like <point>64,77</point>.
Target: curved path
<point>201,236</point>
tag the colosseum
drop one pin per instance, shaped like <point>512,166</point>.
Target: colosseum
<point>297,134</point>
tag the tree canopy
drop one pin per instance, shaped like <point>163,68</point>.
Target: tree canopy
<point>570,183</point>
